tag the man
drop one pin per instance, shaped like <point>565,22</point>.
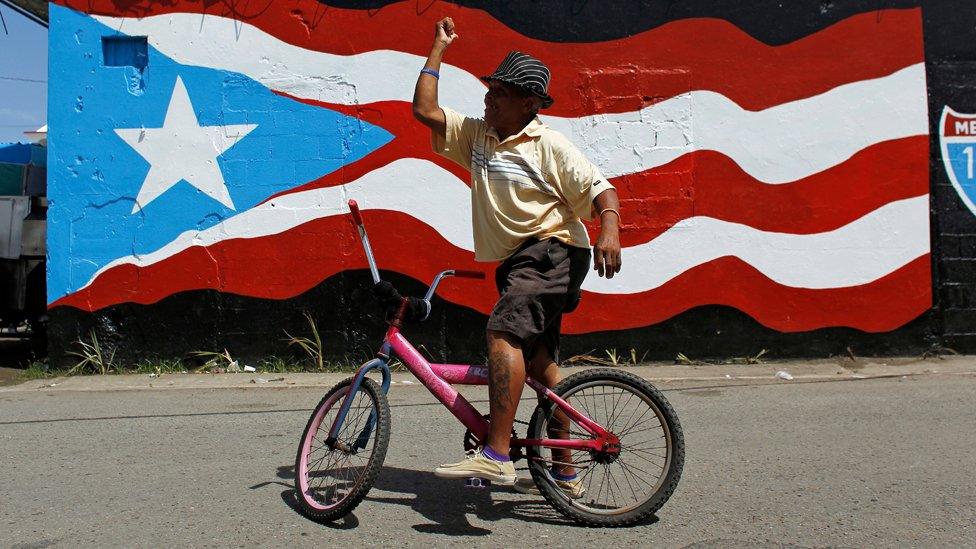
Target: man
<point>529,188</point>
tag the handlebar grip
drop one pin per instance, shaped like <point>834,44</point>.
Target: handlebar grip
<point>354,208</point>
<point>469,274</point>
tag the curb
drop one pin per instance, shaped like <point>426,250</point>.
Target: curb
<point>663,374</point>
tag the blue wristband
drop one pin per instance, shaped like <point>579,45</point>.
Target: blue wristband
<point>431,72</point>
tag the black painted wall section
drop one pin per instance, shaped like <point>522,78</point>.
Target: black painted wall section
<point>348,319</point>
<point>342,305</point>
<point>950,52</point>
<point>772,21</point>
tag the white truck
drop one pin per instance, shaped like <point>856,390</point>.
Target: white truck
<point>23,230</point>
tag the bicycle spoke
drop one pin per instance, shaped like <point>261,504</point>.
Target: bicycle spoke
<point>635,423</point>
<point>632,466</point>
<point>644,430</point>
<point>629,485</point>
<point>628,423</point>
<point>637,477</point>
<point>657,461</point>
<point>599,491</point>
<point>643,448</point>
<point>604,403</point>
<point>613,419</point>
<point>610,484</point>
<point>589,473</point>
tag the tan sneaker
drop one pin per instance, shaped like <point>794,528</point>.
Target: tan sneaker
<point>572,488</point>
<point>477,465</point>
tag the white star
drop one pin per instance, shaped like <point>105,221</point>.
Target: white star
<point>183,150</point>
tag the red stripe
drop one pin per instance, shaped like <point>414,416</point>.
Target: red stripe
<point>708,183</point>
<point>880,306</point>
<point>285,265</point>
<point>614,76</point>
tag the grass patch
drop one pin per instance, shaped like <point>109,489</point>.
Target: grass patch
<point>37,369</point>
<point>157,366</point>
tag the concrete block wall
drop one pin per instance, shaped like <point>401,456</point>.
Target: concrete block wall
<point>951,72</point>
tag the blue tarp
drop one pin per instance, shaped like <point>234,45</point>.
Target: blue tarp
<point>23,154</point>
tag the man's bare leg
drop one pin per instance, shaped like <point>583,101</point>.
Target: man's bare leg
<point>506,376</point>
<point>543,368</point>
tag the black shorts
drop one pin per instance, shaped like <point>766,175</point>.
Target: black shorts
<point>537,284</point>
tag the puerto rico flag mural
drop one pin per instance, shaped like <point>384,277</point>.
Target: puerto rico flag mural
<point>787,179</point>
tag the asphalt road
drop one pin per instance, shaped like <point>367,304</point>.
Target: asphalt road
<point>872,462</point>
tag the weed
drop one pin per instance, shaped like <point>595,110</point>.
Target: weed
<point>612,355</point>
<point>214,360</point>
<point>312,347</point>
<point>684,360</point>
<point>93,357</point>
<point>937,352</point>
<point>633,357</point>
<point>756,359</point>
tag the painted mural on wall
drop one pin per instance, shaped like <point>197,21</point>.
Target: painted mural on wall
<point>785,178</point>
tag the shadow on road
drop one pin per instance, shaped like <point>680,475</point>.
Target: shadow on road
<point>446,503</point>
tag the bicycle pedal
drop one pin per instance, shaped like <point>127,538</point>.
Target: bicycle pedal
<point>475,482</point>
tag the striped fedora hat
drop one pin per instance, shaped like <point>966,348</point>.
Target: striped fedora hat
<point>524,71</point>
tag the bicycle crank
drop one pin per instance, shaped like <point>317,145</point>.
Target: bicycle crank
<point>471,442</point>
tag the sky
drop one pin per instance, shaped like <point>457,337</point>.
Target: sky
<point>23,56</point>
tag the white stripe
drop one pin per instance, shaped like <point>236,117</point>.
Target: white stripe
<point>855,254</point>
<point>777,145</point>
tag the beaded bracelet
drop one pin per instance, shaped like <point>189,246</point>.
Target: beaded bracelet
<point>431,72</point>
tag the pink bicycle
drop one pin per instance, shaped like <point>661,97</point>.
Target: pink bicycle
<point>615,429</point>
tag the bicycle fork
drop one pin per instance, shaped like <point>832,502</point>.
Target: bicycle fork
<point>332,441</point>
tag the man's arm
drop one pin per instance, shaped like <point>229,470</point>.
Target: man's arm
<point>606,252</point>
<point>425,106</point>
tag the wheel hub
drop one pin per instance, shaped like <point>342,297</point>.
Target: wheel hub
<point>609,451</point>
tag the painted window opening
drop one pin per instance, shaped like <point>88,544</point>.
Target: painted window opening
<point>131,54</point>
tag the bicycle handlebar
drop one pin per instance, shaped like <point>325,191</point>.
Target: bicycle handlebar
<point>354,208</point>
<point>358,219</point>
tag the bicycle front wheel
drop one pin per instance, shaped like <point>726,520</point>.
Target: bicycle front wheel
<point>332,479</point>
<point>611,489</point>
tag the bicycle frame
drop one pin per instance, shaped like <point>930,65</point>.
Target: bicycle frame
<point>438,379</point>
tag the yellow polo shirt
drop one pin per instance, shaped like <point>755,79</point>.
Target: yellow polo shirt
<point>533,184</point>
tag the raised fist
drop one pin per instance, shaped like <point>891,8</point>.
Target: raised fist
<point>444,31</point>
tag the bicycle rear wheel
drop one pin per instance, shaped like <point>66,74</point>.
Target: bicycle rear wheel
<point>617,489</point>
<point>331,481</point>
